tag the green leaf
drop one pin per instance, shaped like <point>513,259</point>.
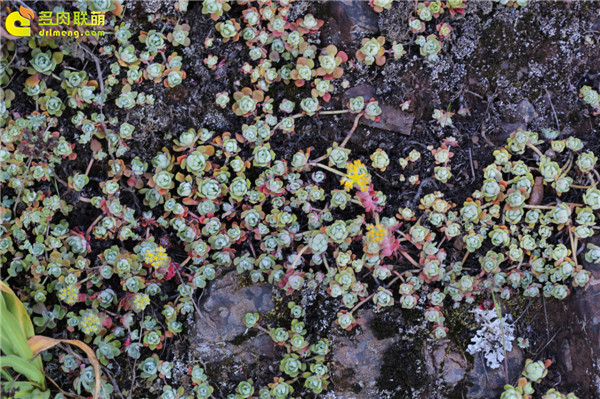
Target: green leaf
<point>21,366</point>
<point>16,307</point>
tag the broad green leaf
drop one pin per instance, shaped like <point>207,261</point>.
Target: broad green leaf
<point>21,366</point>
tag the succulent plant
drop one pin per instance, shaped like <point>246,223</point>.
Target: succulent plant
<point>372,51</point>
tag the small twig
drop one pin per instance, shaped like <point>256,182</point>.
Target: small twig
<point>327,168</point>
<point>98,71</point>
<point>298,256</point>
<point>534,148</point>
<point>362,303</point>
<point>553,110</point>
<point>185,262</point>
<point>354,126</point>
<point>114,382</point>
<point>487,378</point>
<point>546,317</point>
<point>524,311</point>
<point>61,181</point>
<point>100,82</point>
<point>373,294</point>
<point>22,187</point>
<point>409,258</point>
<point>471,161</point>
<point>89,167</point>
<point>573,241</point>
<point>499,313</point>
<point>134,367</point>
<point>183,282</point>
<point>548,343</point>
<point>71,395</point>
<point>94,223</point>
<point>473,93</point>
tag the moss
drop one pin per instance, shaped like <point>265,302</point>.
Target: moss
<point>459,391</point>
<point>279,316</point>
<point>403,371</point>
<point>574,117</point>
<point>240,339</point>
<point>460,322</point>
<point>386,325</point>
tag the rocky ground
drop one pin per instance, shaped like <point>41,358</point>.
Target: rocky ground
<point>511,68</point>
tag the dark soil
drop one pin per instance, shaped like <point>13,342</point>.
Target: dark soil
<point>510,67</point>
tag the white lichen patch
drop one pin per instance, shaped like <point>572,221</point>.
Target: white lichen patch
<point>488,338</point>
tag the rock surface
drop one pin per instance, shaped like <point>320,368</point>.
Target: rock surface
<point>220,333</point>
<point>357,362</point>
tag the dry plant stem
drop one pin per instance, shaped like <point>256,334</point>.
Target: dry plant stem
<point>300,115</point>
<point>552,206</point>
<point>263,329</point>
<point>534,148</point>
<point>471,162</point>
<point>581,187</point>
<point>348,136</point>
<point>573,242</point>
<point>372,295</point>
<point>553,110</point>
<point>321,158</point>
<point>351,132</point>
<point>546,317</point>
<point>499,313</point>
<point>101,83</point>
<point>464,259</point>
<point>567,166</point>
<point>326,264</point>
<point>134,368</point>
<point>548,343</point>
<point>327,168</point>
<point>334,112</point>
<point>592,177</point>
<point>185,262</point>
<point>183,282</point>
<point>114,382</point>
<point>94,223</point>
<point>61,181</point>
<point>89,167</point>
<point>539,206</point>
<point>409,258</point>
<point>70,395</point>
<point>22,187</point>
<point>362,303</point>
<point>298,256</point>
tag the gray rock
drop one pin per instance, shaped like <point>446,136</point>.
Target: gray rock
<point>356,363</point>
<point>221,321</point>
<point>391,118</point>
<point>526,111</point>
<point>353,18</point>
<point>489,383</point>
<point>443,363</point>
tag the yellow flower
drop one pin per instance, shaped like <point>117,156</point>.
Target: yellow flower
<point>140,301</point>
<point>90,323</point>
<point>156,257</point>
<point>69,294</point>
<point>357,174</point>
<point>376,233</point>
